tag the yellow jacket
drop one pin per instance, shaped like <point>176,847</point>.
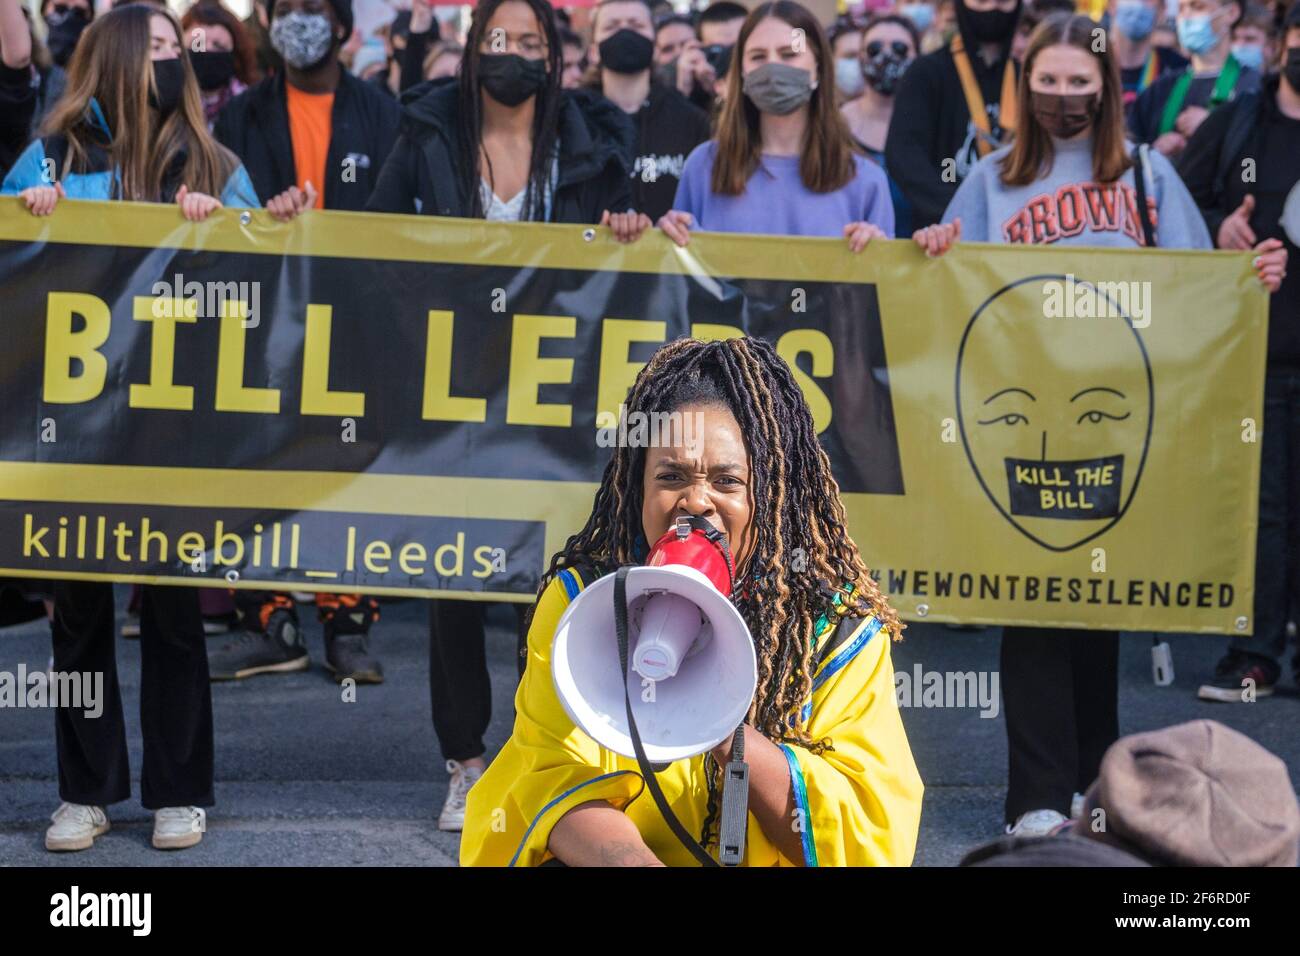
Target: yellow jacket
<point>858,805</point>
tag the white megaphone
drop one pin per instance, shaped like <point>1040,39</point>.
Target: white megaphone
<point>692,670</point>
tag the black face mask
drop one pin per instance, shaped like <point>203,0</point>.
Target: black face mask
<point>169,81</point>
<point>509,78</point>
<point>65,26</point>
<point>626,52</point>
<point>214,68</point>
<point>989,26</point>
<point>1291,68</point>
<point>718,56</point>
<point>1064,114</point>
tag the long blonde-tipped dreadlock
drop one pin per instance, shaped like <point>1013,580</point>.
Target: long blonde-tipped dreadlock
<point>796,506</point>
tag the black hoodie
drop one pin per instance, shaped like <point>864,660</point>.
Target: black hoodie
<point>17,107</point>
<point>668,127</point>
<point>931,143</point>
<point>421,175</point>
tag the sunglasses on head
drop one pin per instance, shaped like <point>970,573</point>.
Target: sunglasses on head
<point>898,46</point>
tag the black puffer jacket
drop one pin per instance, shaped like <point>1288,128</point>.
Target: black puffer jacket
<point>595,136</point>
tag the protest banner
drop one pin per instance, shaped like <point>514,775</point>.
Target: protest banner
<point>400,405</point>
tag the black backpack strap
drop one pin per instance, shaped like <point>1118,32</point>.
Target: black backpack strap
<point>1140,183</point>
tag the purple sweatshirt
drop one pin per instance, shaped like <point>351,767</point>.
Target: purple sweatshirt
<point>776,202</point>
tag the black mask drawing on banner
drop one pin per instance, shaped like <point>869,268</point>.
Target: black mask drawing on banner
<point>510,78</point>
<point>626,51</point>
<point>1057,446</point>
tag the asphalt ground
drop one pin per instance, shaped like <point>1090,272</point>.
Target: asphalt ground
<point>306,779</point>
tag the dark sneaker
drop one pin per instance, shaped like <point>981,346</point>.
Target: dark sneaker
<point>1241,677</point>
<point>276,650</point>
<point>346,619</point>
<point>348,655</point>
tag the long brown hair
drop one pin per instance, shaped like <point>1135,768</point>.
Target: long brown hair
<point>112,66</point>
<point>1032,152</point>
<point>826,161</point>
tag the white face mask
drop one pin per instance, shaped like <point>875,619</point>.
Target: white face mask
<point>848,76</point>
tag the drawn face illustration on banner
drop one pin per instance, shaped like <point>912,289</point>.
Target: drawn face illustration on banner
<point>1055,411</point>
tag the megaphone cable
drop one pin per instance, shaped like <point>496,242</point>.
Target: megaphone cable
<point>735,793</point>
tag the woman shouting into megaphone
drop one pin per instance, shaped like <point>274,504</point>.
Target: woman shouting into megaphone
<point>831,779</point>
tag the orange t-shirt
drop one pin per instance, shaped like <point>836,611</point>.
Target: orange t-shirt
<point>309,129</point>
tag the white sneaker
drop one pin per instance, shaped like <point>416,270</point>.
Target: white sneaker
<point>175,828</point>
<point>75,827</point>
<point>453,810</point>
<point>1037,823</point>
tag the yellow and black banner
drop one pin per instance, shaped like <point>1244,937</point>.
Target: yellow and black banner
<point>405,405</point>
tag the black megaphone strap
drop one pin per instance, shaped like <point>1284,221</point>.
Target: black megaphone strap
<point>652,784</point>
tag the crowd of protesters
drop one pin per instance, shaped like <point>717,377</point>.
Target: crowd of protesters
<point>935,120</point>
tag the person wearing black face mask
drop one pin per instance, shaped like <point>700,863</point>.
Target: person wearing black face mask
<point>1264,128</point>
<point>890,43</point>
<point>65,20</point>
<point>104,142</point>
<point>699,71</point>
<point>500,141</point>
<point>1050,186</point>
<point>668,127</point>
<point>222,54</point>
<point>954,106</point>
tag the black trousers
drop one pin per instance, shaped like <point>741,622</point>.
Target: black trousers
<point>175,699</point>
<point>460,690</point>
<point>1060,692</point>
<point>1277,544</point>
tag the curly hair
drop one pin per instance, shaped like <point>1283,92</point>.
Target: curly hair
<point>802,558</point>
